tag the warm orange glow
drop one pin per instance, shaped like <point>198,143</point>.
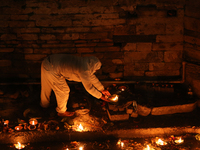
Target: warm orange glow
<point>148,148</point>
<point>19,146</point>
<point>160,142</point>
<point>122,144</point>
<point>33,121</point>
<point>114,98</point>
<point>80,127</point>
<point>179,141</point>
<point>81,148</point>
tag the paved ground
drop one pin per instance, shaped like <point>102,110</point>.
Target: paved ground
<point>20,103</point>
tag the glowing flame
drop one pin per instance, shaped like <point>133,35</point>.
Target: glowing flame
<point>160,142</point>
<point>148,148</point>
<point>81,148</point>
<point>179,141</point>
<point>19,146</point>
<point>122,144</point>
<point>80,127</point>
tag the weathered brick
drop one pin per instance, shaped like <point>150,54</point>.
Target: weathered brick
<point>21,23</point>
<point>73,36</point>
<point>3,23</point>
<point>4,17</point>
<point>144,47</point>
<point>192,24</point>
<point>28,50</point>
<point>124,30</point>
<point>5,63</point>
<point>129,71</point>
<point>104,44</point>
<point>174,28</point>
<point>77,29</point>
<point>86,45</point>
<point>52,30</point>
<point>100,22</point>
<point>42,51</point>
<point>164,66</point>
<point>35,57</point>
<point>116,75</point>
<point>19,17</point>
<point>106,49</point>
<point>131,57</point>
<point>28,36</point>
<point>167,46</point>
<point>117,61</point>
<point>27,30</point>
<point>190,39</point>
<point>129,47</point>
<point>169,38</point>
<point>141,66</point>
<point>133,38</point>
<point>6,50</point>
<point>191,53</point>
<point>55,23</point>
<point>163,73</point>
<point>64,50</point>
<point>57,45</point>
<point>47,37</point>
<point>173,56</point>
<point>102,28</point>
<point>114,55</point>
<point>192,9</point>
<point>151,29</point>
<point>93,35</point>
<point>85,50</point>
<point>8,37</point>
<point>94,16</point>
<point>52,42</point>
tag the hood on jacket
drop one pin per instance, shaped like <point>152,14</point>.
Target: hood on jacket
<point>93,63</point>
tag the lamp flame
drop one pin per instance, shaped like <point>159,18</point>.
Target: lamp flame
<point>80,127</point>
<point>148,148</point>
<point>179,141</point>
<point>160,142</point>
<point>19,146</point>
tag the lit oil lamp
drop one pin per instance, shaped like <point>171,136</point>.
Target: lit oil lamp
<point>120,143</point>
<point>19,145</point>
<point>33,121</point>
<point>148,148</point>
<point>179,140</point>
<point>80,148</point>
<point>80,128</point>
<point>122,88</point>
<point>113,98</point>
<point>18,128</point>
<point>6,122</point>
<point>161,142</point>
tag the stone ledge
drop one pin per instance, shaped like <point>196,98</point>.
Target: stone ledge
<point>40,136</point>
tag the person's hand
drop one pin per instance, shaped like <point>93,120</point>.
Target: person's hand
<point>104,98</point>
<point>106,93</point>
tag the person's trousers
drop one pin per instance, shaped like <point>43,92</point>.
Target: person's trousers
<point>51,81</point>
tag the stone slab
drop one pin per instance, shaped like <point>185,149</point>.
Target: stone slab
<point>165,110</point>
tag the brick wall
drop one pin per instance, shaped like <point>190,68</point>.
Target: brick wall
<point>131,38</point>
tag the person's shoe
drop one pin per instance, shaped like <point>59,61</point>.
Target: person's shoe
<point>66,114</point>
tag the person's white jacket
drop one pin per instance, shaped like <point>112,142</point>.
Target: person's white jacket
<point>56,68</point>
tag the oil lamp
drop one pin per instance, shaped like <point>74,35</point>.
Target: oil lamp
<point>6,122</point>
<point>161,142</point>
<point>179,140</point>
<point>19,145</point>
<point>148,148</point>
<point>113,98</point>
<point>18,128</point>
<point>33,121</point>
<point>80,128</point>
